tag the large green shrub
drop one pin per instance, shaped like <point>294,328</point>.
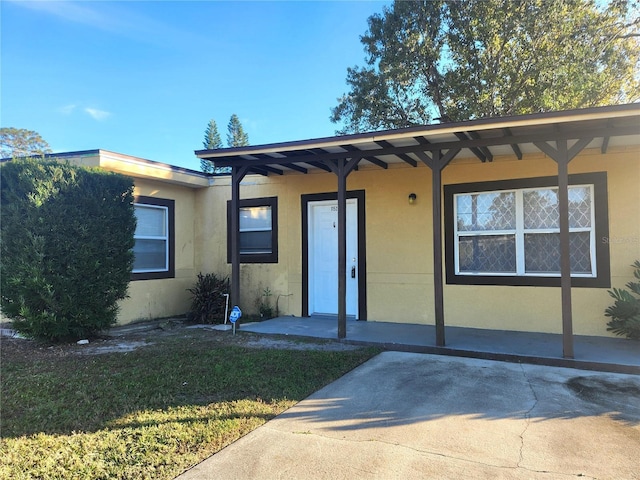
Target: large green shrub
<point>625,312</point>
<point>66,246</point>
<point>208,299</point>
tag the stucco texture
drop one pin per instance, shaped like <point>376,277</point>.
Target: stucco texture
<point>149,299</point>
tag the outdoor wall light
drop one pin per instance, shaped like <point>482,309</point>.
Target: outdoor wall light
<point>412,198</point>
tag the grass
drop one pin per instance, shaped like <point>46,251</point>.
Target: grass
<point>150,413</point>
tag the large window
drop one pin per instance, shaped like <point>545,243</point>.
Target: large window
<point>153,250</point>
<point>258,230</point>
<point>508,233</point>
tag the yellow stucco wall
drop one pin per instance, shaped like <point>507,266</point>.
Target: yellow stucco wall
<point>399,243</point>
<point>211,237</point>
<point>538,308</point>
<point>149,299</point>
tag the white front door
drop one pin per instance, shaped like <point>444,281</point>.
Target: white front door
<point>323,257</point>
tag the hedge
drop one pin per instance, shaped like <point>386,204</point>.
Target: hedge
<point>66,247</point>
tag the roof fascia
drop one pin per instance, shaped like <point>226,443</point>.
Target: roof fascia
<point>153,171</point>
<point>470,143</point>
<point>150,163</point>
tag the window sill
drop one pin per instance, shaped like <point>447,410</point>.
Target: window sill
<point>152,275</point>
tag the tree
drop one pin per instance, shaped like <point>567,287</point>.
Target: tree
<point>236,136</point>
<point>19,142</point>
<point>211,141</point>
<point>454,60</point>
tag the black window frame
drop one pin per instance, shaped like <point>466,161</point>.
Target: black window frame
<point>272,257</point>
<point>601,231</point>
<point>170,205</point>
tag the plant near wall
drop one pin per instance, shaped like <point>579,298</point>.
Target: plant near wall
<point>66,247</point>
<point>208,299</point>
<point>263,302</point>
<point>625,312</point>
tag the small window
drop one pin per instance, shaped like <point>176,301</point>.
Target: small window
<point>258,230</point>
<point>153,249</point>
<point>508,233</point>
<point>255,230</point>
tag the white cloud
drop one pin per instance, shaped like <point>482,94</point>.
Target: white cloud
<point>113,17</point>
<point>94,113</point>
<point>97,114</point>
<point>71,11</point>
<point>67,109</point>
<point>78,12</point>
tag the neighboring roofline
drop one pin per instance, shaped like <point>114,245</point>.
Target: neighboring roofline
<point>545,118</point>
<point>79,153</point>
<point>131,166</point>
<point>142,161</point>
<point>118,156</point>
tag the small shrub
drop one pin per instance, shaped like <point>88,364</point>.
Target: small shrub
<point>263,303</point>
<point>208,302</point>
<point>66,247</point>
<point>625,312</point>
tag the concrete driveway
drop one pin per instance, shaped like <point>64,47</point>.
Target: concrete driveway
<point>408,416</point>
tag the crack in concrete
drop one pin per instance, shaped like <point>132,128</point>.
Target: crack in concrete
<point>450,457</point>
<point>527,415</point>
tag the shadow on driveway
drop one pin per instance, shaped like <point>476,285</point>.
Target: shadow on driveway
<point>407,415</point>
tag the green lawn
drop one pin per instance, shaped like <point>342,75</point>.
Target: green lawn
<point>150,413</point>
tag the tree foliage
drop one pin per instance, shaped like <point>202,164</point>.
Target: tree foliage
<point>19,142</point>
<point>211,141</point>
<point>236,137</point>
<point>66,247</point>
<point>458,60</point>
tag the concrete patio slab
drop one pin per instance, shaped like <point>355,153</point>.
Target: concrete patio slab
<point>592,353</point>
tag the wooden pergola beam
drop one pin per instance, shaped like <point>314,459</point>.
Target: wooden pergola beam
<point>342,168</point>
<point>319,165</point>
<point>371,159</point>
<point>514,146</point>
<point>437,162</point>
<point>277,171</point>
<point>261,170</point>
<point>402,156</point>
<point>295,167</point>
<point>484,150</point>
<point>562,155</point>
<point>237,174</point>
<point>470,143</point>
<point>475,150</point>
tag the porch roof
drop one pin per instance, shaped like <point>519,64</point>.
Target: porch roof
<point>610,126</point>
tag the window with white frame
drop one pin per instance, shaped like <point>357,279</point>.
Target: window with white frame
<point>153,252</point>
<point>515,232</point>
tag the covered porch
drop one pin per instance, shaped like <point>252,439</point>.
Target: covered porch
<point>559,136</point>
<point>591,353</point>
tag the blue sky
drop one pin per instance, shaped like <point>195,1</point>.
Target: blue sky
<point>144,78</point>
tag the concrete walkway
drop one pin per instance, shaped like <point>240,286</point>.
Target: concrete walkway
<point>418,416</point>
<point>591,353</point>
